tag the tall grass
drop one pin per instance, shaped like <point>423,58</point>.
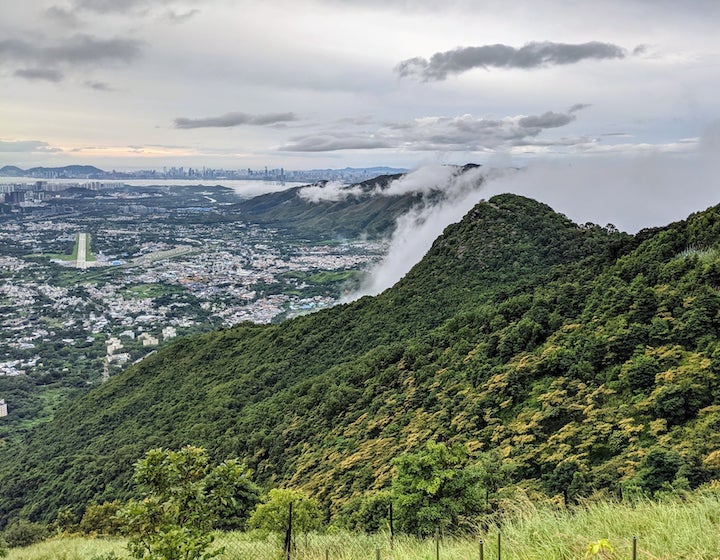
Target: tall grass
<point>71,548</point>
<point>679,529</point>
<point>674,529</point>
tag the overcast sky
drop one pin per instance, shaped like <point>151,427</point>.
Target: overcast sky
<point>130,84</point>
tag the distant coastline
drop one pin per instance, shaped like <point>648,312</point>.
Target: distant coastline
<point>195,175</point>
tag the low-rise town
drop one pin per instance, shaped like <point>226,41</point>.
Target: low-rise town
<point>85,294</point>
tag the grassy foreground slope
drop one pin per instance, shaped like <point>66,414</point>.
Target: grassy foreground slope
<point>673,528</point>
<point>584,358</point>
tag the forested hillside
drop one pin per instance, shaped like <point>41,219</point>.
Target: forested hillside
<point>577,357</point>
<point>349,216</point>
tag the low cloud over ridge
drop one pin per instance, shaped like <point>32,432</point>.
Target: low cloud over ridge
<point>229,120</point>
<point>531,55</point>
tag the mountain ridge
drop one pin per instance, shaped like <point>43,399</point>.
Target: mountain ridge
<point>350,217</point>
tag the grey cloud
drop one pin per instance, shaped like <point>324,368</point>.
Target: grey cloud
<point>62,16</point>
<point>178,17</point>
<point>170,10</point>
<point>331,143</point>
<point>26,146</point>
<point>235,119</point>
<point>45,74</point>
<point>111,6</point>
<point>532,55</point>
<point>547,120</point>
<point>77,50</point>
<point>99,86</point>
<point>358,121</point>
<point>462,133</point>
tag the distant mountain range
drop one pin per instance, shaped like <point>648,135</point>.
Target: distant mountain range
<point>69,172</point>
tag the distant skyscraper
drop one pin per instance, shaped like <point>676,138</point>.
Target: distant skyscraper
<point>3,408</point>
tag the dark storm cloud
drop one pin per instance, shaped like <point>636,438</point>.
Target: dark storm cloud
<point>45,74</point>
<point>532,55</point>
<point>77,50</point>
<point>235,119</point>
<point>461,133</point>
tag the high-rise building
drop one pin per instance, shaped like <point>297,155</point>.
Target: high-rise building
<point>3,408</point>
<point>15,197</point>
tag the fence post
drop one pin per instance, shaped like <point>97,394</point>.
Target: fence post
<point>482,550</point>
<point>437,544</point>
<point>392,531</point>
<point>288,534</point>
<point>327,554</point>
<point>634,554</point>
<point>377,553</point>
<point>499,548</point>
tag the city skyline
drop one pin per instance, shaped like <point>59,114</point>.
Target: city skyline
<point>135,84</point>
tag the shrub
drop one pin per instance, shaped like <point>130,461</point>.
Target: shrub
<point>24,533</point>
<point>101,519</point>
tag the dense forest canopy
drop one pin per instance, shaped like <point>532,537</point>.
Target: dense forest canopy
<point>580,357</point>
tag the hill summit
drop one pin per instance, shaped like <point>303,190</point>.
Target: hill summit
<point>583,358</point>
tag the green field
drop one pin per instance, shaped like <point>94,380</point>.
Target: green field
<point>681,527</point>
<point>72,256</point>
<point>90,257</point>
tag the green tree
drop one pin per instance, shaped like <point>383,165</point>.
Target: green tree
<point>436,488</point>
<point>101,519</point>
<point>183,501</point>
<point>659,467</point>
<point>231,494</point>
<point>272,514</point>
<point>370,513</point>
